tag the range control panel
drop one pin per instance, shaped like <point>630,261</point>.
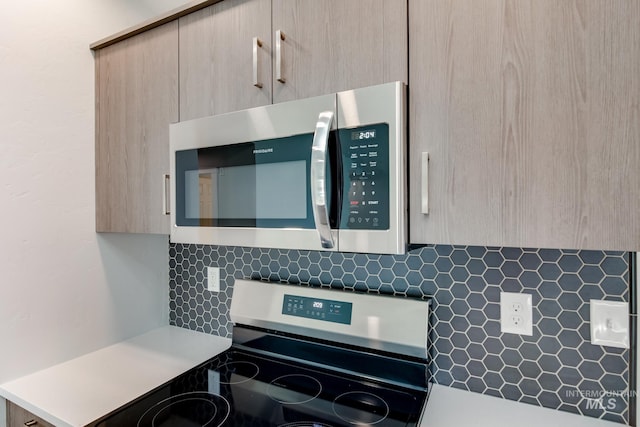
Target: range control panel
<point>319,309</point>
<point>365,159</point>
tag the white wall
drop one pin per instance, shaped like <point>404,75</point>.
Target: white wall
<point>64,290</point>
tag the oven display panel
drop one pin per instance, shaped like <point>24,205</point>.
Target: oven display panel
<point>319,309</point>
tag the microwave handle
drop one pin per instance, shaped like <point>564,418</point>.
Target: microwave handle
<point>318,178</point>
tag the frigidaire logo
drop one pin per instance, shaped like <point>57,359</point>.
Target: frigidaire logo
<point>263,150</point>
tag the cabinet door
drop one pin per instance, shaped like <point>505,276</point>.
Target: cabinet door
<point>216,58</point>
<point>530,112</point>
<point>20,417</point>
<point>335,45</point>
<point>136,99</point>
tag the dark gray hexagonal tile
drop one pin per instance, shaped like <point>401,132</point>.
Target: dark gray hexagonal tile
<point>549,363</point>
<point>493,345</point>
<point>530,369</point>
<point>459,274</point>
<point>475,368</point>
<point>460,373</point>
<point>460,340</point>
<point>614,266</point>
<point>530,279</point>
<point>511,392</point>
<point>614,286</point>
<point>460,307</point>
<point>493,259</point>
<point>549,345</point>
<point>549,399</point>
<point>443,264</point>
<point>476,267</point>
<point>511,269</point>
<point>530,351</point>
<point>444,280</point>
<point>550,290</point>
<point>493,380</point>
<point>475,283</point>
<point>511,375</point>
<point>530,387</point>
<point>549,326</point>
<point>613,363</point>
<point>459,257</point>
<point>569,320</point>
<point>549,308</point>
<point>443,377</point>
<point>591,274</point>
<point>477,317</point>
<point>550,271</point>
<point>511,357</point>
<point>614,383</point>
<point>570,301</point>
<point>492,362</point>
<point>493,276</point>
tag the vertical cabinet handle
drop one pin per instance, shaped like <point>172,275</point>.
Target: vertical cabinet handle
<point>319,180</point>
<point>256,45</point>
<point>279,39</point>
<point>424,182</point>
<point>166,210</point>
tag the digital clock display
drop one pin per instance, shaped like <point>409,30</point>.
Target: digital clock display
<point>318,309</point>
<point>363,134</point>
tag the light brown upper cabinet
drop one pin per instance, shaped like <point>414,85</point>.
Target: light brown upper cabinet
<point>217,51</point>
<point>136,99</point>
<point>530,113</point>
<point>244,53</point>
<point>335,45</point>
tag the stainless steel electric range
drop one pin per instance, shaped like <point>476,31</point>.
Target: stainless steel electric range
<point>301,357</point>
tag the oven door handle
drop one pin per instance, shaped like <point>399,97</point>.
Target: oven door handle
<point>318,179</point>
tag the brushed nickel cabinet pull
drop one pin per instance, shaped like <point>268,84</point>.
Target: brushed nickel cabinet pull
<point>424,182</point>
<point>166,210</point>
<point>279,38</point>
<point>31,423</point>
<point>256,45</point>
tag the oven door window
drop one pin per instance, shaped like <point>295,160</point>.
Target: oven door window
<point>262,184</point>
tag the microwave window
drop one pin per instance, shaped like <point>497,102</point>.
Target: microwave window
<point>255,191</point>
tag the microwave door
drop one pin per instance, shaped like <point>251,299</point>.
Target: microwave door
<point>243,178</point>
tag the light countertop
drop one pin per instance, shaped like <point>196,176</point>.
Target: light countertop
<point>448,407</point>
<point>78,392</point>
<point>82,390</point>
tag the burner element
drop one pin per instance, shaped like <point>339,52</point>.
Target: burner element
<point>294,389</point>
<point>237,372</point>
<point>192,409</point>
<point>360,407</point>
<point>305,424</point>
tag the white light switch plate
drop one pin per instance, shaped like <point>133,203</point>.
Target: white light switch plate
<point>609,323</point>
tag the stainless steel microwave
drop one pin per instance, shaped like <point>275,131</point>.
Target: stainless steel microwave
<point>322,173</point>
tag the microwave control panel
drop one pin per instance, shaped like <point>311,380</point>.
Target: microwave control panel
<point>365,160</point>
<point>319,309</point>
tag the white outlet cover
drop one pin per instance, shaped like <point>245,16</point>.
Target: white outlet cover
<point>609,323</point>
<point>508,303</point>
<point>213,279</point>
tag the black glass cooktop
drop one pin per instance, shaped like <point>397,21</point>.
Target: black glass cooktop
<point>243,388</point>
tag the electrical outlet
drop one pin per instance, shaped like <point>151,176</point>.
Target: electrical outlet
<point>213,279</point>
<point>516,313</point>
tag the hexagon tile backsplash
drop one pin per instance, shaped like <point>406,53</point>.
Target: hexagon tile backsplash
<point>557,367</point>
